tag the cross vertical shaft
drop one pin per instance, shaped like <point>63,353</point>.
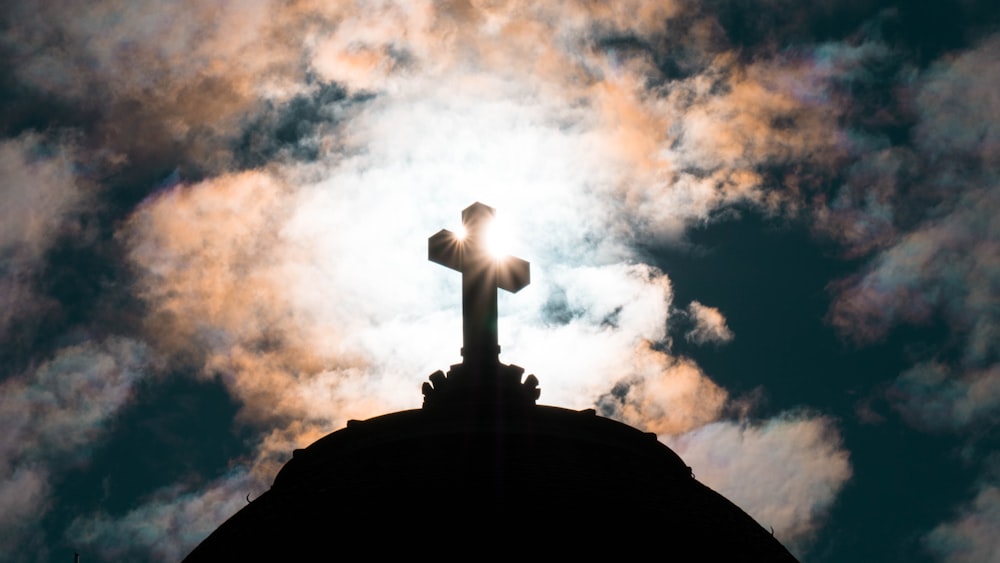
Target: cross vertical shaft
<point>480,341</point>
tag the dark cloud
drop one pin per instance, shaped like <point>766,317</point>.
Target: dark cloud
<point>302,128</point>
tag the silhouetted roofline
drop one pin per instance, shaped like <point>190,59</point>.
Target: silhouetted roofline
<point>391,430</point>
<point>441,475</point>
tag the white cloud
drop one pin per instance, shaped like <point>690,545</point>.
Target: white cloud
<point>709,325</point>
<point>785,472</point>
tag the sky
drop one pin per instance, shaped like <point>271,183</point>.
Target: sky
<point>764,231</point>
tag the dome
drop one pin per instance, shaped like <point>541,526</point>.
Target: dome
<point>569,480</point>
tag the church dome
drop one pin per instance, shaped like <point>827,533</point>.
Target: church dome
<point>565,478</point>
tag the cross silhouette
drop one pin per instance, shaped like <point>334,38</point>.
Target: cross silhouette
<point>482,274</point>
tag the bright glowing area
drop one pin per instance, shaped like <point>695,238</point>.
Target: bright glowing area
<point>498,239</point>
<point>460,232</point>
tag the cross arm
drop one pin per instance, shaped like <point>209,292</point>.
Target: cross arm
<point>444,248</point>
<point>513,274</point>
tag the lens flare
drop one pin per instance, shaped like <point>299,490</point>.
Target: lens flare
<point>498,239</point>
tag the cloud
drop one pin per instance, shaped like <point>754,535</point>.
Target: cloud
<point>167,526</point>
<point>709,325</point>
<point>959,109</point>
<point>677,151</point>
<point>39,190</point>
<point>25,496</point>
<point>220,278</point>
<point>52,418</point>
<point>944,266</point>
<point>785,472</point>
<point>971,536</point>
<point>266,283</point>
<point>930,396</point>
<point>928,221</point>
<point>663,394</point>
<point>40,196</point>
<point>152,86</point>
<point>940,252</point>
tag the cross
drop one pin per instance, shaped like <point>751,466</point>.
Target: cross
<point>482,274</point>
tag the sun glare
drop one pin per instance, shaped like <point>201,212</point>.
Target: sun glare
<point>497,239</point>
<point>460,233</point>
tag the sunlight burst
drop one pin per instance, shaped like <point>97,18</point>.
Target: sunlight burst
<point>498,239</point>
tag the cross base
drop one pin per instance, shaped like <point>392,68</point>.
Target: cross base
<point>463,386</point>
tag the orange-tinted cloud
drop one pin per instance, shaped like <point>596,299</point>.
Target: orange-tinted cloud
<point>709,325</point>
